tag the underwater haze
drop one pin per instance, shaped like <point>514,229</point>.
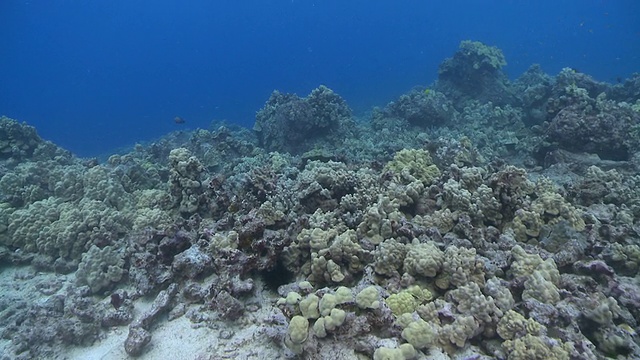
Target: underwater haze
<point>94,76</point>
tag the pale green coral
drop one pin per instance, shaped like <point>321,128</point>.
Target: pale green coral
<point>604,312</point>
<point>297,333</point>
<point>500,293</point>
<point>389,257</point>
<point>413,164</point>
<point>317,238</point>
<point>292,298</point>
<point>554,207</point>
<point>526,224</point>
<point>443,220</point>
<point>329,322</point>
<point>541,276</point>
<point>309,306</point>
<point>460,266</point>
<point>524,263</point>
<point>530,347</point>
<point>270,214</point>
<point>470,300</point>
<point>458,198</point>
<point>419,333</point>
<point>223,240</point>
<point>59,229</point>
<point>100,268</point>
<point>402,302</point>
<point>152,199</point>
<point>337,261</point>
<point>334,319</point>
<point>147,218</point>
<point>376,226</point>
<point>185,183</point>
<point>612,340</point>
<point>344,295</point>
<point>100,185</point>
<point>623,257</point>
<point>406,301</point>
<point>327,303</point>
<point>541,284</point>
<point>489,55</point>
<point>423,259</point>
<point>402,352</point>
<point>463,328</point>
<point>368,298</point>
<point>513,325</point>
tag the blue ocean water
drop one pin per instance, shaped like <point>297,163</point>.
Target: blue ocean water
<point>93,76</point>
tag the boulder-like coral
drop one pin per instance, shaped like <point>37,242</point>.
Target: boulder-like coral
<point>289,123</point>
<point>474,72</point>
<point>297,333</point>
<point>513,325</point>
<point>425,108</point>
<point>531,347</point>
<point>413,164</point>
<point>586,121</point>
<point>470,300</point>
<point>460,266</point>
<point>17,141</point>
<point>335,258</point>
<point>100,268</point>
<point>377,223</point>
<point>185,181</point>
<point>66,230</point>
<point>389,257</point>
<point>419,333</point>
<point>402,303</point>
<point>462,329</point>
<point>423,259</point>
<point>368,298</point>
<point>402,352</point>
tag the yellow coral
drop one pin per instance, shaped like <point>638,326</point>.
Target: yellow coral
<point>514,325</point>
<point>413,164</point>
<point>402,302</point>
<point>407,301</point>
<point>530,347</point>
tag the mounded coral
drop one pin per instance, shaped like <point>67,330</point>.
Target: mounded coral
<point>289,123</point>
<point>530,347</point>
<point>474,72</point>
<point>19,141</point>
<point>423,259</point>
<point>185,181</point>
<point>100,268</point>
<point>425,108</point>
<point>64,230</point>
<point>513,325</point>
<point>585,120</point>
<point>410,165</point>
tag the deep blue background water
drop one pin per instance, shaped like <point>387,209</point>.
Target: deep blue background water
<point>96,75</point>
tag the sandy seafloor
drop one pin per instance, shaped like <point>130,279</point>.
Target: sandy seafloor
<point>176,339</point>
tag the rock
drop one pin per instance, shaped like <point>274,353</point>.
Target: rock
<point>137,339</point>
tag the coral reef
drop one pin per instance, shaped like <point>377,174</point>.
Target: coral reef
<point>475,218</point>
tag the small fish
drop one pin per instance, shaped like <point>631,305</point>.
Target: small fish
<point>628,329</point>
<point>178,120</point>
<point>427,91</point>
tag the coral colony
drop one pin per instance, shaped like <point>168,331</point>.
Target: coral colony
<point>478,218</point>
